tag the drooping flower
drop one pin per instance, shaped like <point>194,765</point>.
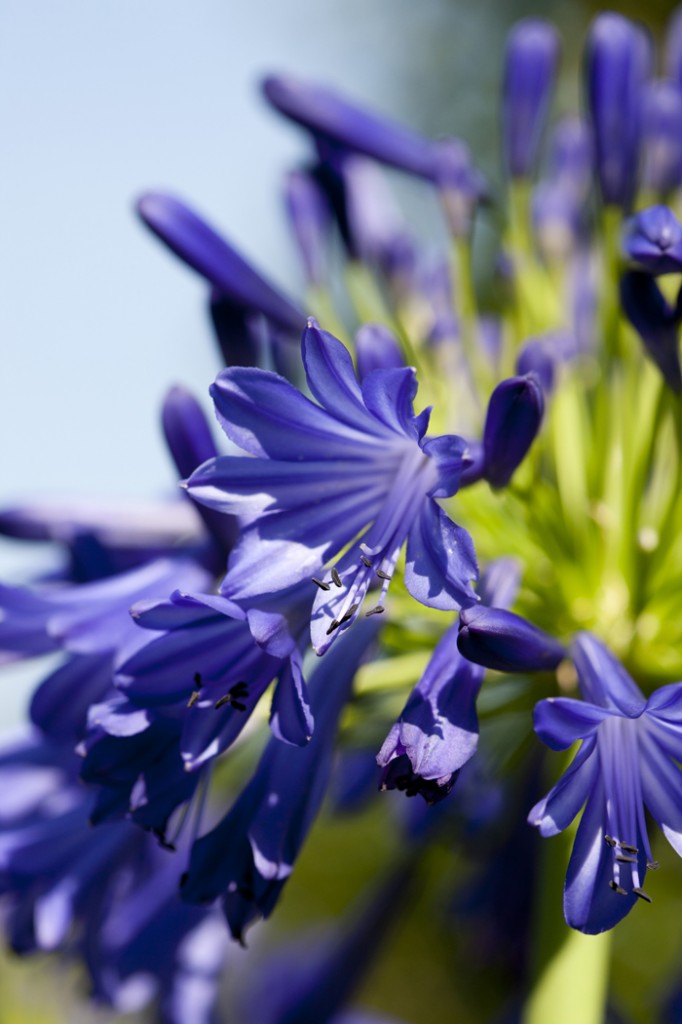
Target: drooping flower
<point>437,731</point>
<point>354,470</point>
<point>628,760</point>
<point>247,858</point>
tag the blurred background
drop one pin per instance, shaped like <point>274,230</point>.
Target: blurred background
<point>99,101</point>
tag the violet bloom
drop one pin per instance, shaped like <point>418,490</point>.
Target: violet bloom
<point>437,731</point>
<point>662,170</point>
<point>652,240</point>
<point>354,470</point>
<point>531,59</point>
<point>512,422</point>
<point>628,760</point>
<point>247,858</point>
<point>503,641</point>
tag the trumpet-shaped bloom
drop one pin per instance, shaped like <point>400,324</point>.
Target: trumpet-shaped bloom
<point>354,471</point>
<point>628,761</point>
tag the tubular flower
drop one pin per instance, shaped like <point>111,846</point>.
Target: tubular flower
<point>354,470</point>
<point>627,762</point>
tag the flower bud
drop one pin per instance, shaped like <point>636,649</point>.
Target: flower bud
<point>652,239</point>
<point>376,349</point>
<point>310,219</point>
<point>618,60</point>
<point>662,170</point>
<point>530,69</point>
<point>503,641</point>
<point>655,321</point>
<point>512,422</point>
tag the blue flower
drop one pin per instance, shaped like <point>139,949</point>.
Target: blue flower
<point>354,470</point>
<point>247,858</point>
<point>652,240</point>
<point>628,761</point>
<point>531,61</point>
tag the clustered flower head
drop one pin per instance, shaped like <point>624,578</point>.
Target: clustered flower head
<point>433,527</point>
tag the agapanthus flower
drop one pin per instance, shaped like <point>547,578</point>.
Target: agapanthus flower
<point>354,470</point>
<point>652,241</point>
<point>628,760</point>
<point>248,857</point>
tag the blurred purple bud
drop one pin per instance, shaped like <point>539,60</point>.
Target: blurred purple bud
<point>376,349</point>
<point>513,419</point>
<point>673,47</point>
<point>618,63</point>
<point>310,219</point>
<point>341,123</point>
<point>500,582</point>
<point>662,170</point>
<point>503,641</point>
<point>375,223</point>
<point>652,239</point>
<point>236,331</point>
<point>556,219</point>
<point>656,322</point>
<point>198,245</point>
<point>570,155</point>
<point>460,185</point>
<point>536,357</point>
<point>531,59</point>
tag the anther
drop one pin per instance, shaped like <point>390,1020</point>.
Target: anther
<point>610,840</point>
<point>350,613</point>
<point>642,895</point>
<point>625,858</point>
<point>234,696</point>
<point>193,698</point>
<point>336,577</point>
<point>365,561</point>
<point>383,575</point>
<point>379,610</point>
<point>334,624</point>
<point>653,865</point>
<point>618,888</point>
<point>628,848</point>
<point>321,584</point>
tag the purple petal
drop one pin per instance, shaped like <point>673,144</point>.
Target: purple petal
<point>561,721</point>
<point>441,562</point>
<point>506,642</point>
<point>531,60</point>
<point>331,378</point>
<point>556,811</point>
<point>377,349</point>
<point>290,718</point>
<point>661,788</point>
<point>389,395</point>
<point>603,680</point>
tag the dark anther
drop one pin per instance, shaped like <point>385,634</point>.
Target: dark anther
<point>321,584</point>
<point>617,888</point>
<point>642,895</point>
<point>163,842</point>
<point>382,575</point>
<point>653,865</point>
<point>628,848</point>
<point>625,858</point>
<point>365,561</point>
<point>332,626</point>
<point>610,840</point>
<point>194,698</point>
<point>350,613</point>
<point>234,696</point>
<point>336,577</point>
<point>197,680</point>
<point>379,610</point>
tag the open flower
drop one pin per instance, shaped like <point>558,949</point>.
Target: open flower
<point>354,472</point>
<point>626,762</point>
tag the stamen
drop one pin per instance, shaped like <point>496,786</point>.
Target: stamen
<point>628,848</point>
<point>336,577</point>
<point>653,865</point>
<point>642,895</point>
<point>332,626</point>
<point>321,584</point>
<point>624,858</point>
<point>379,610</point>
<point>234,696</point>
<point>365,561</point>
<point>618,888</point>
<point>610,840</point>
<point>350,613</point>
<point>383,575</point>
<point>193,698</point>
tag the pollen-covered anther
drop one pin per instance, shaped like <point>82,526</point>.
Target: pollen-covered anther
<point>234,696</point>
<point>334,624</point>
<point>336,578</point>
<point>618,888</point>
<point>610,841</point>
<point>642,895</point>
<point>653,865</point>
<point>349,614</point>
<point>321,584</point>
<point>383,575</point>
<point>365,561</point>
<point>378,610</point>
<point>625,858</point>
<point>628,848</point>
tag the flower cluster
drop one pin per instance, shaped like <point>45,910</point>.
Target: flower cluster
<point>317,611</point>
